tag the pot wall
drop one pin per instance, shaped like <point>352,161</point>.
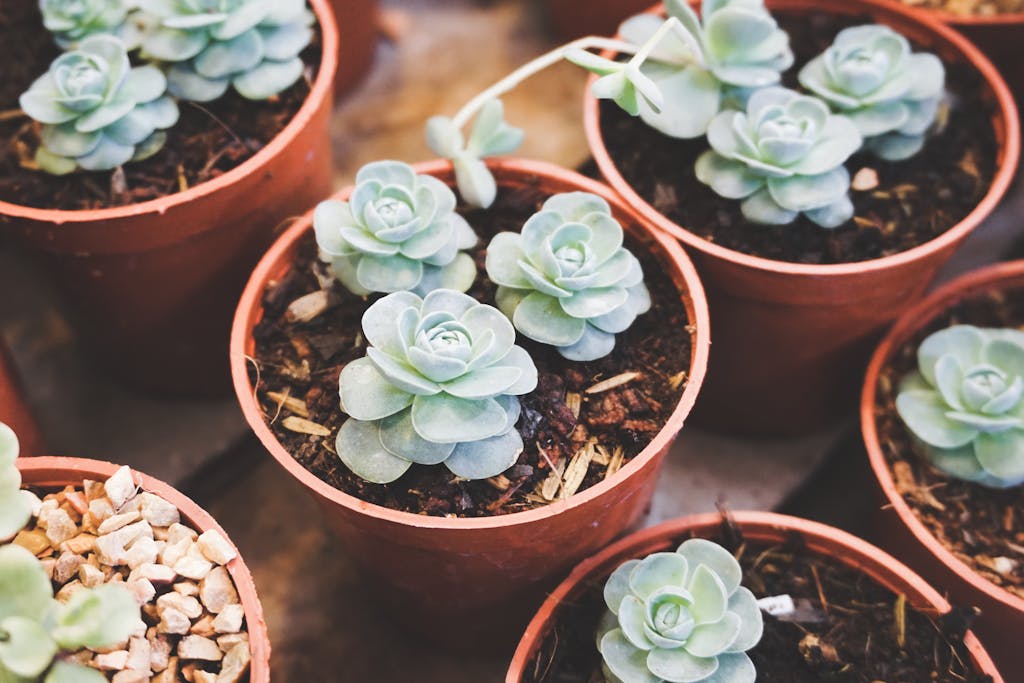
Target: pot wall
<point>357,35</point>
<point>488,572</point>
<point>791,340</point>
<point>895,524</point>
<point>54,472</point>
<point>821,540</point>
<point>576,18</point>
<point>14,410</point>
<point>153,285</point>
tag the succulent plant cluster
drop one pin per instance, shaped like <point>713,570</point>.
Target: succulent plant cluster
<point>97,112</point>
<point>965,403</point>
<point>679,617</point>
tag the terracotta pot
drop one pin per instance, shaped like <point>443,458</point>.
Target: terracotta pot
<point>14,410</point>
<point>357,35</point>
<point>898,528</point>
<point>822,540</point>
<point>153,284</point>
<point>480,578</point>
<point>791,339</point>
<point>576,18</point>
<point>55,472</point>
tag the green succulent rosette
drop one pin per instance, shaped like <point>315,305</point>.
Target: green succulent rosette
<point>567,280</point>
<point>96,111</point>
<point>211,45</point>
<point>397,232</point>
<point>72,20</point>
<point>15,507</point>
<point>891,94</point>
<point>679,617</point>
<point>965,403</point>
<point>439,384</point>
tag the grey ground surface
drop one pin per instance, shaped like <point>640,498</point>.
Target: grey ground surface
<point>323,626</point>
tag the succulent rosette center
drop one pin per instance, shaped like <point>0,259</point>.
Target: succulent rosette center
<point>965,403</point>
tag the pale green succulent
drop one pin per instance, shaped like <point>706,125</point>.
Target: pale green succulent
<point>741,48</point>
<point>679,617</point>
<point>251,45</point>
<point>891,95</point>
<point>15,505</point>
<point>490,136</point>
<point>784,156</point>
<point>397,232</point>
<point>566,280</point>
<point>965,403</point>
<point>97,111</point>
<point>72,20</point>
<point>438,385</point>
<point>35,629</point>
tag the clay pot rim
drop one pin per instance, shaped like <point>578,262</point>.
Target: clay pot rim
<point>1006,161</point>
<point>54,470</point>
<point>321,90</point>
<point>849,550</point>
<point>251,303</point>
<point>972,20</point>
<point>966,286</point>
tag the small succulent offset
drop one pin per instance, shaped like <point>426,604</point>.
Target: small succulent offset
<point>736,46</point>
<point>398,231</point>
<point>439,384</point>
<point>15,505</point>
<point>251,45</point>
<point>784,156</point>
<point>97,111</point>
<point>35,629</point>
<point>891,95</point>
<point>680,617</point>
<point>566,280</point>
<point>72,20</point>
<point>965,403</point>
<point>491,136</point>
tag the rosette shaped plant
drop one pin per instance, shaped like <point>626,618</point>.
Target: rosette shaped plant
<point>97,111</point>
<point>397,232</point>
<point>965,403</point>
<point>35,629</point>
<point>891,95</point>
<point>680,617</point>
<point>438,385</point>
<point>72,20</point>
<point>251,45</point>
<point>784,156</point>
<point>566,280</point>
<point>743,48</point>
<point>15,505</point>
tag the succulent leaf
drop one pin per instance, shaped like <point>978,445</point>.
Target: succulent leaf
<point>15,507</point>
<point>73,20</point>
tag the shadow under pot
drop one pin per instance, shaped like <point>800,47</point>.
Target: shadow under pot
<point>357,41</point>
<point>152,258</point>
<point>853,608</point>
<point>796,307</point>
<point>446,550</point>
<point>960,535</point>
<point>91,491</point>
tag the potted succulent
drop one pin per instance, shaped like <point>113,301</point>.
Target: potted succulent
<point>357,41</point>
<point>137,135</point>
<point>495,402</point>
<point>788,147</point>
<point>118,577</point>
<point>753,595</point>
<point>948,463</point>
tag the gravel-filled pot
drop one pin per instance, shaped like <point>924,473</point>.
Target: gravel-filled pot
<point>357,41</point>
<point>794,318</point>
<point>951,531</point>
<point>779,555</point>
<point>156,278</point>
<point>440,564</point>
<point>48,475</point>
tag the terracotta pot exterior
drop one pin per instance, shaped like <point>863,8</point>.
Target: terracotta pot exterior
<point>55,472</point>
<point>357,35</point>
<point>898,528</point>
<point>14,410</point>
<point>791,339</point>
<point>154,284</point>
<point>577,18</point>
<point>822,540</point>
<point>489,573</point>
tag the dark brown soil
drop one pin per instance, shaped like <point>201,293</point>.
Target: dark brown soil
<point>915,200</point>
<point>845,628</point>
<point>209,140</point>
<point>976,523</point>
<point>304,359</point>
